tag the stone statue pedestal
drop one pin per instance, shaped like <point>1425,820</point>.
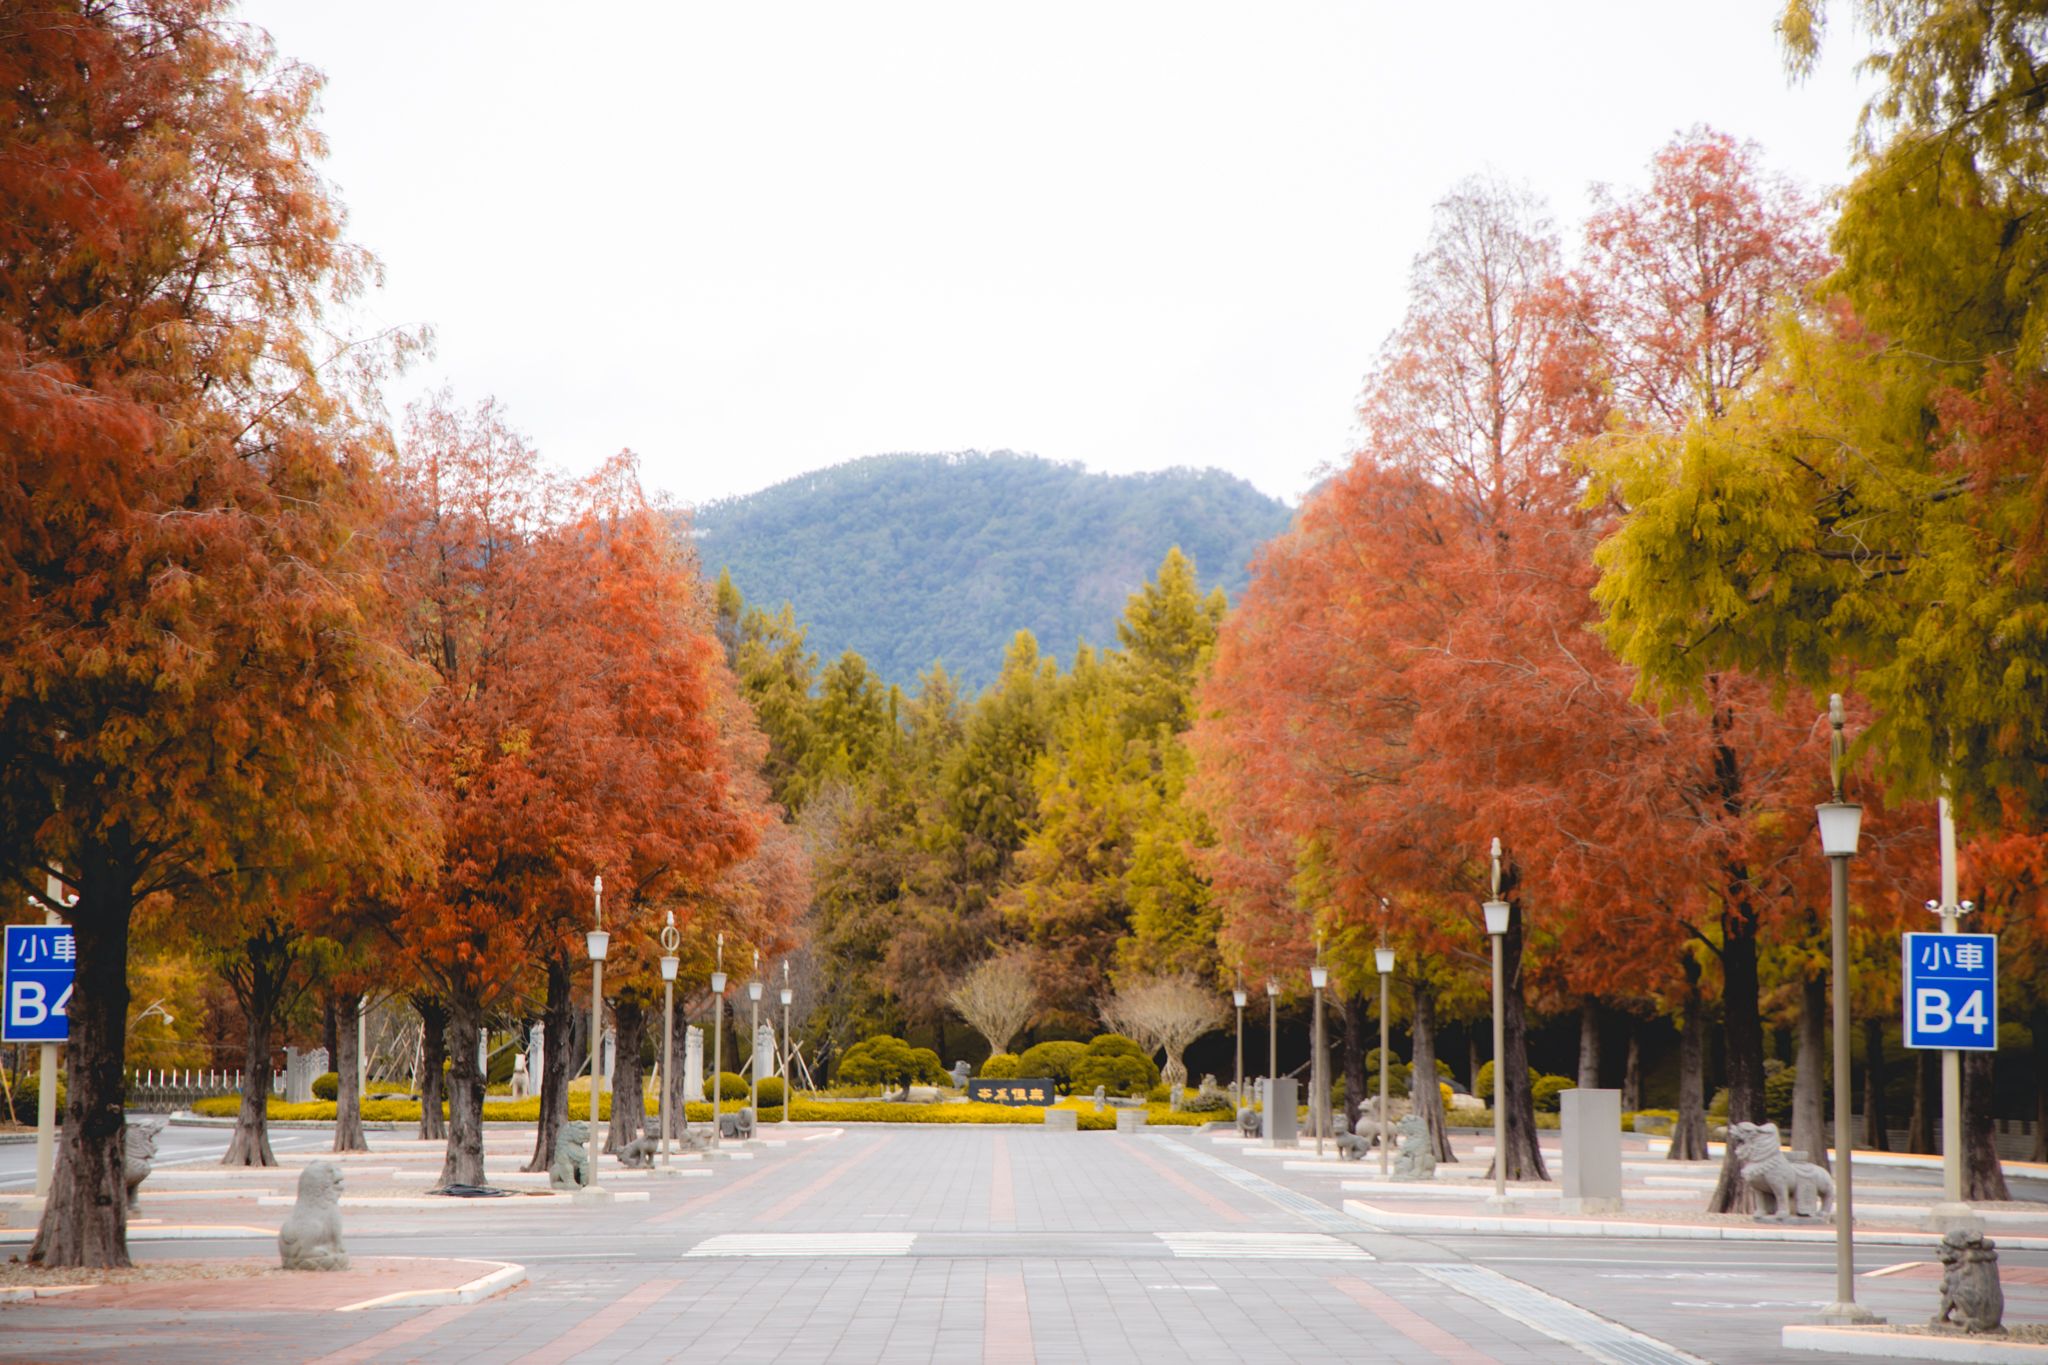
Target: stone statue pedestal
<point>1591,1123</point>
<point>1063,1120</point>
<point>1953,1216</point>
<point>1282,1124</point>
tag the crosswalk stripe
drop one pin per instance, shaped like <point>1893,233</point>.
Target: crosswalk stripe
<point>1262,1246</point>
<point>805,1244</point>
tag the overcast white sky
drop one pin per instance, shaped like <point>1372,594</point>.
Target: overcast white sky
<point>750,240</point>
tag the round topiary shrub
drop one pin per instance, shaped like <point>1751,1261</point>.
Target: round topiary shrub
<point>887,1061</point>
<point>1546,1090</point>
<point>1055,1061</point>
<point>771,1093</point>
<point>1115,1063</point>
<point>327,1085</point>
<point>1002,1066</point>
<point>732,1086</point>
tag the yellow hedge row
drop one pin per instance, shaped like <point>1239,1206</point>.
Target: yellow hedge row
<point>807,1111</point>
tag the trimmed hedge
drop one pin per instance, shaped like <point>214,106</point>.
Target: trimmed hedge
<point>1001,1066</point>
<point>806,1111</point>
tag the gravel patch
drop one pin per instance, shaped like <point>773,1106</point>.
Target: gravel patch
<point>15,1272</point>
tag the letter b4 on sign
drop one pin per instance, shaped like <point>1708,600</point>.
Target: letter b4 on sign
<point>1951,991</point>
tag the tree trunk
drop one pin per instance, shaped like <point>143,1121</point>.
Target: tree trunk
<point>261,995</point>
<point>330,1031</point>
<point>1983,1177</point>
<point>433,1052</point>
<point>1743,1034</point>
<point>347,1008</point>
<point>1589,1044</point>
<point>629,1088</point>
<point>85,1222</point>
<point>2039,1023</point>
<point>1689,1135</point>
<point>464,1164</point>
<point>1926,1099</point>
<point>1632,1070</point>
<point>558,1063</point>
<point>1810,1084</point>
<point>1524,1156</point>
<point>1875,1119</point>
<point>1426,1099</point>
<point>1356,1023</point>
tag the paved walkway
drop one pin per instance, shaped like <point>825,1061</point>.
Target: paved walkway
<point>969,1244</point>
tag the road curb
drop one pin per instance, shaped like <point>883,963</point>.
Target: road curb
<point>22,1293</point>
<point>1876,1341</point>
<point>1687,1232</point>
<point>191,1232</point>
<point>482,1287</point>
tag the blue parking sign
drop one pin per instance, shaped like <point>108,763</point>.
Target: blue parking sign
<point>1952,991</point>
<point>40,964</point>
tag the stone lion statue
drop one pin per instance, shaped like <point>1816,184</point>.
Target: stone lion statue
<point>1415,1153</point>
<point>1248,1122</point>
<point>1787,1188</point>
<point>138,1150</point>
<point>1351,1146</point>
<point>738,1124</point>
<point>571,1168</point>
<point>1969,1283</point>
<point>639,1153</point>
<point>311,1236</point>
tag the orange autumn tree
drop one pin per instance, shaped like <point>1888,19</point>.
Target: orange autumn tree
<point>573,732</point>
<point>190,683</point>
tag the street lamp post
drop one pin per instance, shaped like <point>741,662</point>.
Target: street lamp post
<point>1318,977</point>
<point>1238,997</point>
<point>788,1099</point>
<point>717,1039</point>
<point>1951,1213</point>
<point>1496,911</point>
<point>1840,823</point>
<point>1383,958</point>
<point>754,1042</point>
<point>1272,1042</point>
<point>597,941</point>
<point>670,941</point>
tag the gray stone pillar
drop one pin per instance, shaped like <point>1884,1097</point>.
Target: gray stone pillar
<point>536,1057</point>
<point>693,1064</point>
<point>1592,1150</point>
<point>610,1054</point>
<point>1282,1123</point>
<point>764,1053</point>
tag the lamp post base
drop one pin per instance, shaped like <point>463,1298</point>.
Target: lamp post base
<point>1501,1203</point>
<point>1951,1216</point>
<point>594,1194</point>
<point>1848,1315</point>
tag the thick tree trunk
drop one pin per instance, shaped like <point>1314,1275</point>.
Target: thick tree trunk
<point>464,1164</point>
<point>1926,1099</point>
<point>1983,1177</point>
<point>433,1052</point>
<point>85,1222</point>
<point>1424,1095</point>
<point>629,1088</point>
<point>347,1008</point>
<point>1589,1044</point>
<point>249,1145</point>
<point>1689,1135</point>
<point>2039,1023</point>
<point>1810,1084</point>
<point>1743,1034</point>
<point>1632,1070</point>
<point>1357,1043</point>
<point>1524,1156</point>
<point>1875,1118</point>
<point>561,1047</point>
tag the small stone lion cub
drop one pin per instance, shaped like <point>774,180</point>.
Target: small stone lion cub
<point>311,1237</point>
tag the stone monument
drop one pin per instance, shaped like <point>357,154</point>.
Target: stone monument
<point>571,1169</point>
<point>610,1054</point>
<point>764,1053</point>
<point>693,1064</point>
<point>536,1058</point>
<point>1101,1094</point>
<point>138,1150</point>
<point>1414,1153</point>
<point>300,1068</point>
<point>1591,1123</point>
<point>1283,1122</point>
<point>1786,1188</point>
<point>311,1236</point>
<point>521,1083</point>
<point>1969,1283</point>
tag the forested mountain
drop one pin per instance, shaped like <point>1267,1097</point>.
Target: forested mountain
<point>909,559</point>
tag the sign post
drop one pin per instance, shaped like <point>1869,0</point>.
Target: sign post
<point>40,962</point>
<point>1951,999</point>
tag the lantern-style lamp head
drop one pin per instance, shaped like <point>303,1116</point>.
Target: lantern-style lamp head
<point>669,963</point>
<point>787,996</point>
<point>1840,824</point>
<point>1239,997</point>
<point>1383,958</point>
<point>754,991</point>
<point>1319,977</point>
<point>718,983</point>
<point>597,940</point>
<point>1496,917</point>
<point>1272,988</point>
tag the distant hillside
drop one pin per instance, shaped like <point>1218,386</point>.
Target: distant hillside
<point>912,558</point>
